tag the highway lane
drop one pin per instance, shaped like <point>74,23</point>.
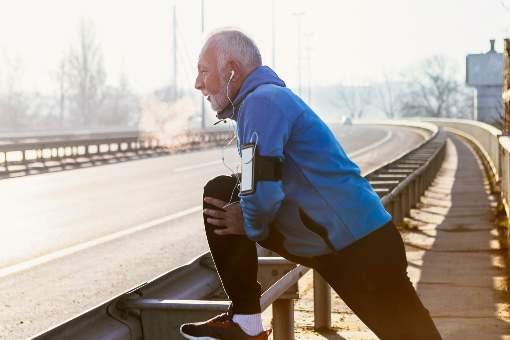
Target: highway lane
<point>63,209</point>
<point>66,209</point>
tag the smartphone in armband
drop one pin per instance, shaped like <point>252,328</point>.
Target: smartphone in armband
<point>247,169</point>
<point>255,167</point>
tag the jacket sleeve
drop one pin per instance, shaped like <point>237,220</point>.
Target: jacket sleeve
<point>263,123</point>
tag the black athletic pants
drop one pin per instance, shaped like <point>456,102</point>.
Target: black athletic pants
<point>370,275</point>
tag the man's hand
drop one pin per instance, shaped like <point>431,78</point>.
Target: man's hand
<point>231,220</point>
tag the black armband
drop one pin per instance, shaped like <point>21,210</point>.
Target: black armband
<point>255,167</point>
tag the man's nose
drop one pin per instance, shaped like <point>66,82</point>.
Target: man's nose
<point>199,85</point>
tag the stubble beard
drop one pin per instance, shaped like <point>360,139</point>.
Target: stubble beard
<point>220,101</point>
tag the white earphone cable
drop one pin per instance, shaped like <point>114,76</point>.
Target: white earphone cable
<point>229,141</point>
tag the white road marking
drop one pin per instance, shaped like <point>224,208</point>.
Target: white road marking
<point>82,246</point>
<point>197,166</point>
<point>372,146</point>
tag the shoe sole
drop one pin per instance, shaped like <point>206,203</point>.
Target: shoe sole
<point>191,337</point>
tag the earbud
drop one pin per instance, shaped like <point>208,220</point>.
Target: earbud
<point>231,75</point>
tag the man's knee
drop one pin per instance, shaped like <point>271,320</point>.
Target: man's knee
<point>221,187</point>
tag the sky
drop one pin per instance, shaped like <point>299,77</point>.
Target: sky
<point>349,42</point>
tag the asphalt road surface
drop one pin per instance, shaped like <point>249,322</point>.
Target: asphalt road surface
<point>71,240</point>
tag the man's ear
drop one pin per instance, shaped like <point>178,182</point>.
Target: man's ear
<point>234,67</point>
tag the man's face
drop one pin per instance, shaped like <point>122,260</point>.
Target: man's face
<point>210,81</point>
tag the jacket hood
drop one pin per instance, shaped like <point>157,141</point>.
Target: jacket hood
<point>260,76</point>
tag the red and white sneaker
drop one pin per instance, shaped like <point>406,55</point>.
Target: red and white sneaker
<point>220,327</point>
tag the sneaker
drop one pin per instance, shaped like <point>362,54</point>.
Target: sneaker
<point>220,327</point>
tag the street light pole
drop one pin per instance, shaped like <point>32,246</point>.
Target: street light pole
<point>174,30</point>
<point>298,16</point>
<point>203,99</point>
<point>273,35</point>
<point>308,49</point>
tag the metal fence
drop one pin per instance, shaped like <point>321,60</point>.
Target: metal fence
<point>42,148</point>
<point>192,292</point>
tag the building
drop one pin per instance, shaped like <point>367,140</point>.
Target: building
<point>484,72</point>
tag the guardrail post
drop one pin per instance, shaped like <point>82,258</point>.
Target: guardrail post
<point>421,182</point>
<point>283,319</point>
<point>428,176</point>
<point>396,210</point>
<point>412,196</point>
<point>321,302</point>
<point>417,194</point>
<point>404,204</point>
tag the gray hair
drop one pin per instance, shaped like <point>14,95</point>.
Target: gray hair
<point>234,44</point>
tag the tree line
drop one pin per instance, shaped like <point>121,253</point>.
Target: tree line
<point>82,98</point>
<point>431,89</point>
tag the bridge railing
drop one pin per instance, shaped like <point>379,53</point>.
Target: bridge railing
<point>156,309</point>
<point>492,145</point>
<point>40,148</point>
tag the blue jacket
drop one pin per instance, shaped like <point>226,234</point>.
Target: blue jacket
<point>317,175</point>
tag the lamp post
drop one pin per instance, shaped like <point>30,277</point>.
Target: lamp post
<point>273,34</point>
<point>203,99</point>
<point>299,15</point>
<point>174,39</point>
<point>308,49</point>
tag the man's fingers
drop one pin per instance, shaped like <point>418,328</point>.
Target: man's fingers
<point>215,213</point>
<point>214,201</point>
<point>215,221</point>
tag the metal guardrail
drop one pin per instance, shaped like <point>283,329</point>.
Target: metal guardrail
<point>164,303</point>
<point>57,147</point>
<point>14,137</point>
<point>156,309</point>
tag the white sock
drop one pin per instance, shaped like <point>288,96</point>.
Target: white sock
<point>251,324</point>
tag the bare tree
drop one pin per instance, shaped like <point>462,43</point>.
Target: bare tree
<point>387,97</point>
<point>61,77</point>
<point>355,99</point>
<point>121,106</point>
<point>433,90</point>
<point>14,103</point>
<point>505,4</point>
<point>86,75</point>
<point>499,112</point>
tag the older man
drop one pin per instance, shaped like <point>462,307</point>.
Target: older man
<point>311,205</point>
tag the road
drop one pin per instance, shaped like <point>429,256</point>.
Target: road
<point>72,239</point>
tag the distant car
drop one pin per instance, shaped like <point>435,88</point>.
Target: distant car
<point>346,120</point>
